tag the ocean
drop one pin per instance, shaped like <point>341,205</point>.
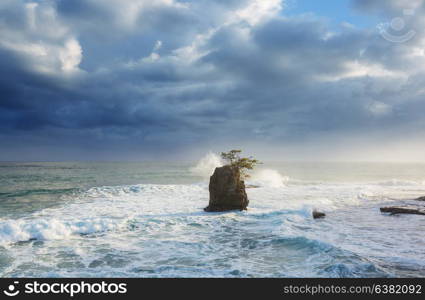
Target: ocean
<point>93,219</point>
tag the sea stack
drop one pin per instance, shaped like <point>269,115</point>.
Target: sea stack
<point>227,190</point>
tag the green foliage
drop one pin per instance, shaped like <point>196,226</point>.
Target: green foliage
<point>242,163</point>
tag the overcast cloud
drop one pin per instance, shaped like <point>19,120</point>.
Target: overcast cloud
<point>148,79</point>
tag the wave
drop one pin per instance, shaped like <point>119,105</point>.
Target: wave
<point>107,208</point>
<point>13,231</point>
<point>276,236</point>
<point>102,209</point>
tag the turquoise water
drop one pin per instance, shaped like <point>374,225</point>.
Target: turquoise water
<point>146,220</point>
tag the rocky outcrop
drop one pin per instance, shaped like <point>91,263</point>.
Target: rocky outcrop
<point>410,210</point>
<point>318,214</point>
<point>227,190</point>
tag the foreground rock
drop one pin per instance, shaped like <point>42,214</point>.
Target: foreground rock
<point>227,190</point>
<point>318,214</point>
<point>410,210</point>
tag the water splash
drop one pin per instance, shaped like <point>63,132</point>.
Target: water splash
<point>268,178</point>
<point>206,166</point>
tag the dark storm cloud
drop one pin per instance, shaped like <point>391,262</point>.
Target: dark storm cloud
<point>154,75</point>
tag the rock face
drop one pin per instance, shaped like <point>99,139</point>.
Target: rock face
<point>410,210</point>
<point>227,190</point>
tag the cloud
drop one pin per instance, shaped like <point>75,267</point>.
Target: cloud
<point>387,7</point>
<point>39,39</point>
<point>137,77</point>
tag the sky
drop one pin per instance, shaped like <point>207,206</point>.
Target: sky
<point>334,12</point>
<point>173,79</point>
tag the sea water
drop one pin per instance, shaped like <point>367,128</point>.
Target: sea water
<point>147,220</point>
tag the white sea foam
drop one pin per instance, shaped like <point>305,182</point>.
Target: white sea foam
<point>109,208</point>
<point>103,209</point>
<point>162,230</point>
<point>51,229</point>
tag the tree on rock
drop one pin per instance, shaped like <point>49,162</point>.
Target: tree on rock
<point>242,163</point>
<point>227,186</point>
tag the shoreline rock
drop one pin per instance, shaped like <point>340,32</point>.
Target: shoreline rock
<point>227,191</point>
<point>409,210</point>
<point>421,199</point>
